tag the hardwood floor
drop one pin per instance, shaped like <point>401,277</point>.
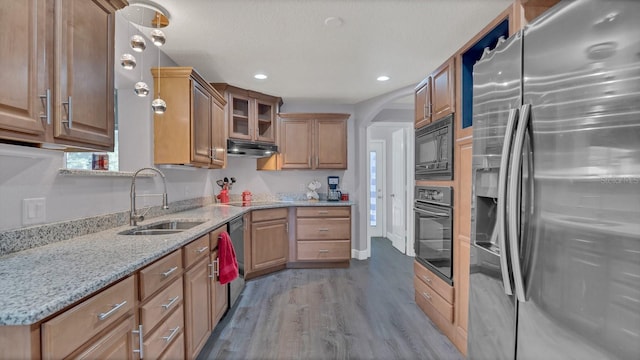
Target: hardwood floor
<point>366,311</point>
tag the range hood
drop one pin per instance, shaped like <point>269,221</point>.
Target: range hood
<point>250,148</point>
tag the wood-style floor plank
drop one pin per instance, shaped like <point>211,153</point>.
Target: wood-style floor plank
<point>366,311</point>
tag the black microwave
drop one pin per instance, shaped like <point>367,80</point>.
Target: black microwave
<point>434,150</point>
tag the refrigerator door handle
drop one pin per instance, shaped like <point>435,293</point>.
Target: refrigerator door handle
<point>514,200</point>
<point>502,203</point>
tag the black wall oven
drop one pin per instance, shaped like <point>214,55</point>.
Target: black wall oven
<point>434,150</point>
<point>433,244</point>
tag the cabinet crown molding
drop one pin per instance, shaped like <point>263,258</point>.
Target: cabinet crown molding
<point>312,116</point>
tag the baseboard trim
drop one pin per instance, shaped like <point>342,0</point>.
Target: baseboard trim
<point>360,254</point>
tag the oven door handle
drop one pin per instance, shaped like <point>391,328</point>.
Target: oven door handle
<point>436,214</point>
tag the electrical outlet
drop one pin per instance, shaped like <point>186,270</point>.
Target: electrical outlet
<point>34,211</point>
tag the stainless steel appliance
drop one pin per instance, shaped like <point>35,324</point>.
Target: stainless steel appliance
<point>250,148</point>
<point>433,230</point>
<point>555,256</point>
<point>235,227</point>
<point>434,150</point>
<point>333,194</point>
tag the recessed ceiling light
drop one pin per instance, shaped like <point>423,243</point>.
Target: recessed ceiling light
<point>333,22</point>
<point>260,76</point>
<point>383,78</point>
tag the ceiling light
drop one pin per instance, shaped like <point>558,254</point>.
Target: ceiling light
<point>383,78</point>
<point>260,76</point>
<point>333,22</point>
<point>146,13</point>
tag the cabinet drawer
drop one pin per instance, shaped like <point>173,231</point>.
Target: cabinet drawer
<point>329,228</point>
<point>161,304</point>
<point>175,350</point>
<point>324,211</point>
<point>433,281</point>
<point>213,237</point>
<point>438,302</point>
<point>195,250</point>
<point>441,322</point>
<point>324,250</point>
<point>161,272</point>
<point>169,331</point>
<point>116,344</point>
<point>269,214</point>
<point>69,330</point>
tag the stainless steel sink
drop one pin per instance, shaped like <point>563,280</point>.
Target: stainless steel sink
<point>162,228</point>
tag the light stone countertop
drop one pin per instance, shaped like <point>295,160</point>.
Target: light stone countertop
<point>39,282</point>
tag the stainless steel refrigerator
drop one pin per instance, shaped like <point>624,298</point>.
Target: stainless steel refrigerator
<point>555,257</point>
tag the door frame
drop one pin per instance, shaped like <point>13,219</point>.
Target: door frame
<point>381,216</point>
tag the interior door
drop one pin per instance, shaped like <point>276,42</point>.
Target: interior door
<point>397,235</point>
<point>376,188</point>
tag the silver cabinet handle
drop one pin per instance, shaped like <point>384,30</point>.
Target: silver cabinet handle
<point>202,249</point>
<point>286,227</point>
<point>140,341</point>
<point>169,272</point>
<point>430,212</point>
<point>317,160</point>
<point>514,200</point>
<point>323,212</point>
<point>426,278</point>
<point>426,296</point>
<point>47,106</point>
<point>430,109</point>
<point>215,269</point>
<point>212,154</point>
<point>69,120</point>
<point>502,201</point>
<point>424,110</point>
<point>323,229</point>
<point>171,302</point>
<point>113,310</point>
<point>323,251</point>
<point>174,331</point>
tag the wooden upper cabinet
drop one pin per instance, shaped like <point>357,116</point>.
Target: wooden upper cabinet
<point>312,141</point>
<point>23,69</point>
<point>250,115</point>
<point>191,130</point>
<point>57,72</point>
<point>443,93</point>
<point>435,95</point>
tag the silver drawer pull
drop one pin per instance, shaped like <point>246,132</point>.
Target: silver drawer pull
<point>323,229</point>
<point>170,271</point>
<point>171,302</point>
<point>323,212</point>
<point>323,251</point>
<point>203,249</point>
<point>426,278</point>
<point>140,341</point>
<point>115,308</point>
<point>47,106</point>
<point>174,331</point>
<point>215,269</point>
<point>426,296</point>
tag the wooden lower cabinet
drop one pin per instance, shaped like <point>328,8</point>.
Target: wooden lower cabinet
<point>117,344</point>
<point>163,337</point>
<point>219,293</point>
<point>323,235</point>
<point>435,297</point>
<point>269,239</point>
<point>196,306</point>
<point>175,351</point>
<point>73,328</point>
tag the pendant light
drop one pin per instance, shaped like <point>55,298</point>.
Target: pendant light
<point>158,105</point>
<point>139,44</point>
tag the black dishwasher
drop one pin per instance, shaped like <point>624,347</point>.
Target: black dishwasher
<point>235,227</point>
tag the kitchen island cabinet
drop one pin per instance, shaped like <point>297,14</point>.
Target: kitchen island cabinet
<point>64,94</point>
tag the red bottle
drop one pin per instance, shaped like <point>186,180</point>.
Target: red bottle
<point>246,198</point>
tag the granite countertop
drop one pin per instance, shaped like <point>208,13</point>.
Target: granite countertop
<point>39,282</point>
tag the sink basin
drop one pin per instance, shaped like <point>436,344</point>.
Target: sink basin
<point>162,228</point>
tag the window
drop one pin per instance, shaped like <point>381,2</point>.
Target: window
<point>372,189</point>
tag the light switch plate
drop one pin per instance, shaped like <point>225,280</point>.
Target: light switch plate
<point>34,211</point>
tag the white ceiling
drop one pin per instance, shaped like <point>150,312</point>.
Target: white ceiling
<point>231,40</point>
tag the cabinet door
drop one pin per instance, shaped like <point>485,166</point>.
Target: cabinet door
<point>423,104</point>
<point>265,118</point>
<point>218,137</point>
<point>22,68</point>
<point>117,344</point>
<point>196,307</point>
<point>201,125</point>
<point>219,293</point>
<point>330,144</point>
<point>84,100</point>
<point>240,126</point>
<point>269,242</point>
<point>295,143</point>
<point>443,95</point>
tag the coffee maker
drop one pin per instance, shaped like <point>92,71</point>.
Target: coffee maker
<point>333,194</point>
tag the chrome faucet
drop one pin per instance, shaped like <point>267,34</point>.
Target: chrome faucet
<point>134,217</point>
